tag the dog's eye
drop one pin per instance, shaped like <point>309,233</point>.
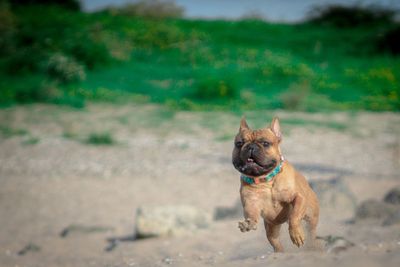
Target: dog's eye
<point>266,144</point>
<point>239,144</point>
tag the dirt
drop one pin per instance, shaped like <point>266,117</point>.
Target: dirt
<point>52,179</point>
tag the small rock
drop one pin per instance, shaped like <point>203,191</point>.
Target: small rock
<point>167,260</point>
<point>334,197</point>
<point>374,209</point>
<point>169,220</point>
<point>393,196</point>
<point>222,213</point>
<point>392,219</point>
<point>31,247</point>
<point>335,244</point>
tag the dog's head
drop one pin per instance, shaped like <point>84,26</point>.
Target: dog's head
<point>256,152</point>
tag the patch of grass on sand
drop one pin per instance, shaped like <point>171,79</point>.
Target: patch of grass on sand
<point>69,135</point>
<point>224,137</point>
<point>325,124</point>
<point>31,140</point>
<point>7,131</point>
<point>100,139</point>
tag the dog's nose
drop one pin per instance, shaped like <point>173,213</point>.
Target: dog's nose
<point>252,147</point>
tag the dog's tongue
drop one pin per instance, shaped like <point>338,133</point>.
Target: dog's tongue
<point>250,160</point>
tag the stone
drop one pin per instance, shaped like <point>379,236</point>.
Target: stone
<point>233,212</point>
<point>374,209</point>
<point>157,221</point>
<point>393,196</point>
<point>31,247</point>
<point>335,197</point>
<point>392,219</point>
<point>335,244</point>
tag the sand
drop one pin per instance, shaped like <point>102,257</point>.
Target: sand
<point>51,179</point>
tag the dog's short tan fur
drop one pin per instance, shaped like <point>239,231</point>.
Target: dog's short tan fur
<point>286,198</point>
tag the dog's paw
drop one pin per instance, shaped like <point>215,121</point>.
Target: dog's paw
<point>297,235</point>
<point>247,225</point>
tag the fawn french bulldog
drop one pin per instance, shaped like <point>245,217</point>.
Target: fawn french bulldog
<point>271,188</point>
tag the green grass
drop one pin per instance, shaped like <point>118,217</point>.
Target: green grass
<point>197,65</point>
<point>30,141</point>
<point>324,124</point>
<point>100,139</point>
<point>7,132</point>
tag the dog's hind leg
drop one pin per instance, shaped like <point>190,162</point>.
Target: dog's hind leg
<point>311,225</point>
<point>273,236</point>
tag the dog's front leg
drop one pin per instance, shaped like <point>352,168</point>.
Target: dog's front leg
<point>251,214</point>
<point>296,231</point>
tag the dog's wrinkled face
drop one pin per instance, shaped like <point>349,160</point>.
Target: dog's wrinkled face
<point>256,152</point>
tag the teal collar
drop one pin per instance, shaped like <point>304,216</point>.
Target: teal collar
<point>267,178</point>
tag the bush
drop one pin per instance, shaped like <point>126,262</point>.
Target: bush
<point>90,53</point>
<point>35,88</point>
<point>7,28</point>
<point>216,86</point>
<point>64,69</point>
<point>67,4</point>
<point>159,35</point>
<point>351,16</point>
<point>390,41</point>
<point>294,97</point>
<point>151,9</point>
<point>24,60</point>
<point>253,15</point>
<point>280,66</point>
<point>28,90</point>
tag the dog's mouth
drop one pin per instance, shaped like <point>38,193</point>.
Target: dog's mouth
<point>253,167</point>
<point>250,162</point>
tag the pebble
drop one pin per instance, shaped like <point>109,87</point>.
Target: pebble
<point>167,260</point>
<point>167,220</point>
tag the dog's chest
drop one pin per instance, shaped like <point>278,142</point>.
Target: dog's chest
<point>271,207</point>
<point>267,199</point>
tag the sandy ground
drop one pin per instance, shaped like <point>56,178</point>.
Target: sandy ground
<point>50,179</point>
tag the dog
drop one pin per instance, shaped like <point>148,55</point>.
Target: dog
<point>271,188</point>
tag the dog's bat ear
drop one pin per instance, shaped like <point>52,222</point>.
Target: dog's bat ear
<point>276,128</point>
<point>243,124</point>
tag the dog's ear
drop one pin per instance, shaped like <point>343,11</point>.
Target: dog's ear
<point>243,125</point>
<point>276,128</point>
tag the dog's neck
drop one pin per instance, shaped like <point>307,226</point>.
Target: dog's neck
<point>266,177</point>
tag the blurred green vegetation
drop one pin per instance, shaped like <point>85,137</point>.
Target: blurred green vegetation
<point>64,56</point>
<point>7,132</point>
<point>100,139</point>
